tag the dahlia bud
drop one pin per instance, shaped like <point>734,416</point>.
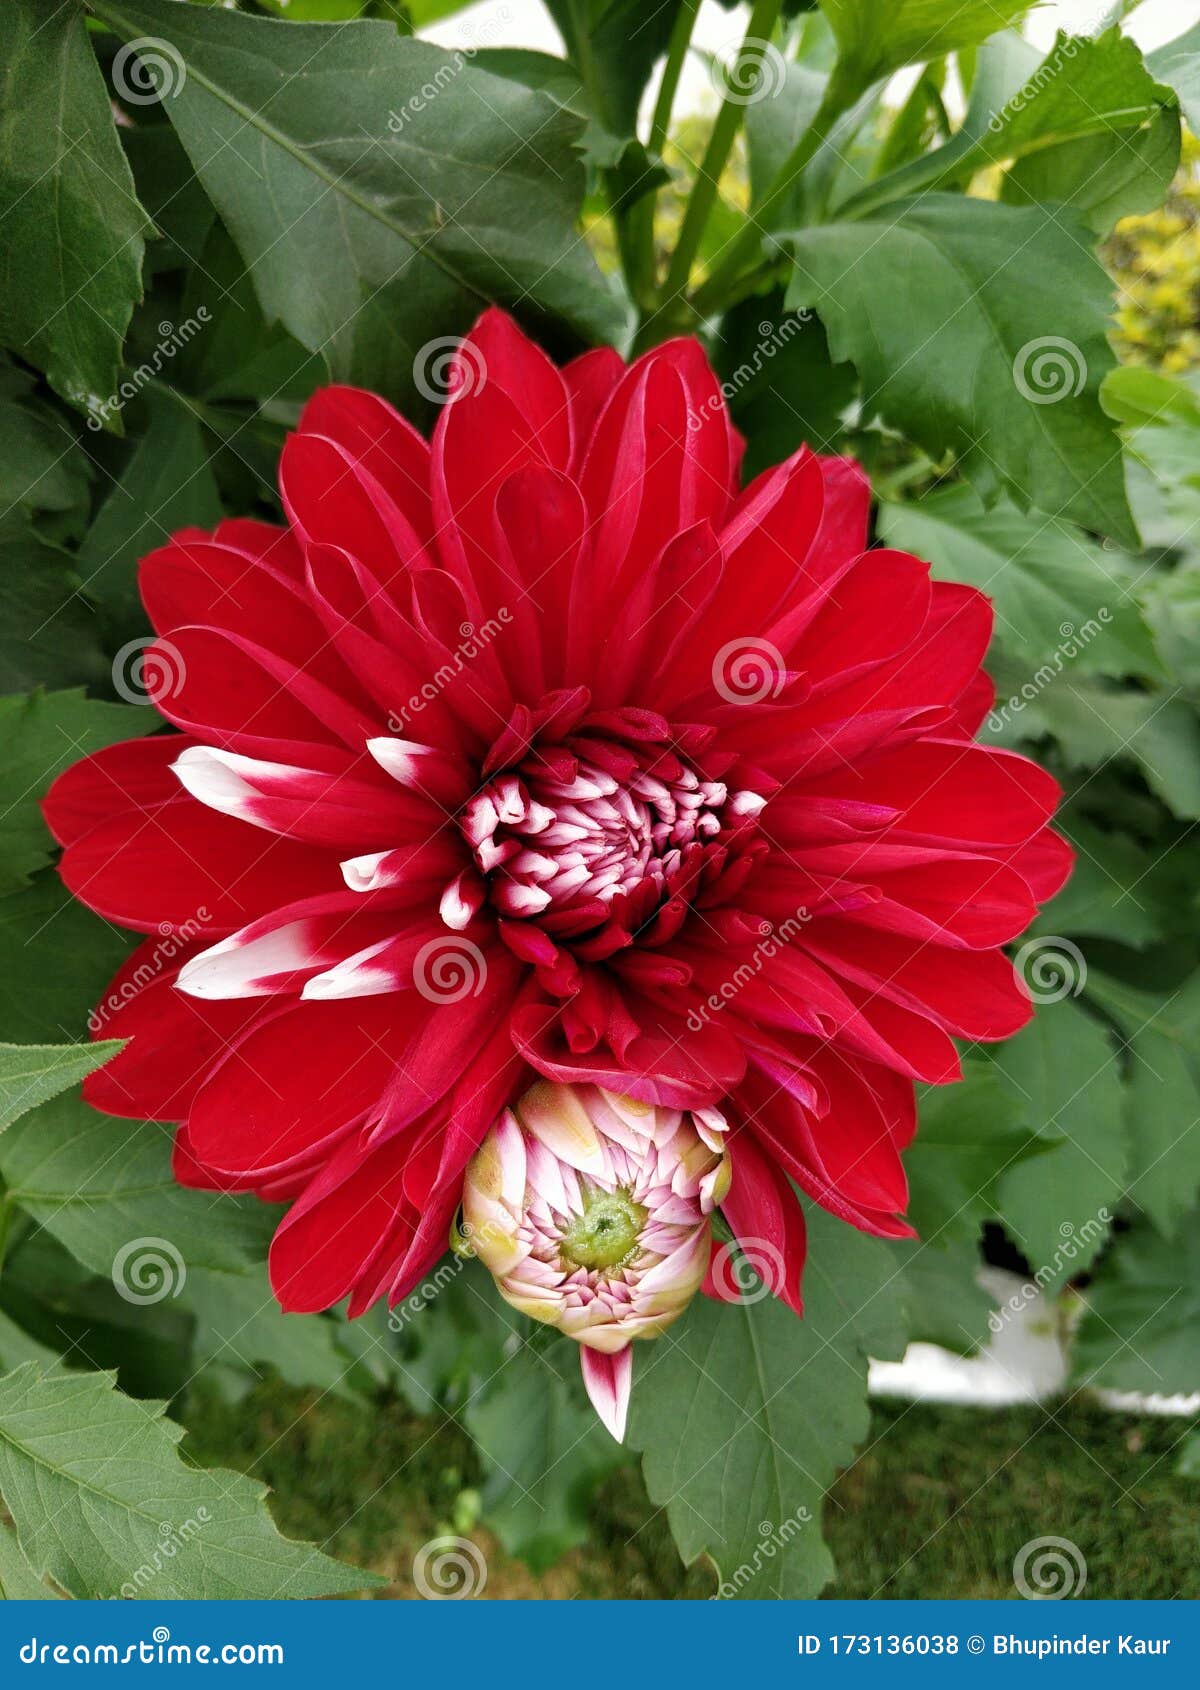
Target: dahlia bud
<point>591,1211</point>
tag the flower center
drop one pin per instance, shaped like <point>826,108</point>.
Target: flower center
<point>606,1234</point>
<point>563,836</point>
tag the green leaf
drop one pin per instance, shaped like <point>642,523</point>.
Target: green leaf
<point>1096,723</point>
<point>18,1581</point>
<point>876,37</point>
<point>240,1325</point>
<point>235,354</point>
<point>1092,91</point>
<point>102,1501</point>
<point>957,357</point>
<point>1063,603</point>
<point>47,630</point>
<point>56,958</point>
<point>71,271</point>
<point>614,45</point>
<point>1063,1071</point>
<point>366,237</point>
<point>1173,612</point>
<point>103,1186</point>
<point>40,736</point>
<point>943,1301</point>
<point>1141,1328</point>
<point>41,466</point>
<point>782,387</point>
<point>1161,1098</point>
<point>970,1134</point>
<point>165,485</point>
<point>744,1413</point>
<point>1178,65</point>
<point>1114,892</point>
<point>1102,178</point>
<point>31,1074</point>
<point>546,1451</point>
<point>774,125</point>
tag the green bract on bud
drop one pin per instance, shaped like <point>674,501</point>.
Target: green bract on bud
<point>592,1211</point>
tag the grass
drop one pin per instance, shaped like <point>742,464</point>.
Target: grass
<point>937,1505</point>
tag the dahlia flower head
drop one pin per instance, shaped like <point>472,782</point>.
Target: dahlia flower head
<point>545,751</point>
<point>591,1212</point>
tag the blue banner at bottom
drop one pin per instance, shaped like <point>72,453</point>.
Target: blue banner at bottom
<point>512,1643</point>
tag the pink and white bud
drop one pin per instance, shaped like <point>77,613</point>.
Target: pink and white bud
<point>591,1211</point>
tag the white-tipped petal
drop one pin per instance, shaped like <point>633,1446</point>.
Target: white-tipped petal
<point>608,1379</point>
<point>236,967</point>
<point>555,1115</point>
<point>357,976</point>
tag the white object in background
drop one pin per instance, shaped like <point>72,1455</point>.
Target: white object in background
<point>1023,1362</point>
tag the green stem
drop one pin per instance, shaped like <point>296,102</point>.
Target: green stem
<point>635,228</point>
<point>839,95</point>
<point>677,49</point>
<point>716,154</point>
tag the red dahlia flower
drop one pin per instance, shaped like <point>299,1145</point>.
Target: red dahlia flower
<point>544,750</point>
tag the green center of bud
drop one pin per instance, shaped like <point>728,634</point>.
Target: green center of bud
<point>605,1235</point>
